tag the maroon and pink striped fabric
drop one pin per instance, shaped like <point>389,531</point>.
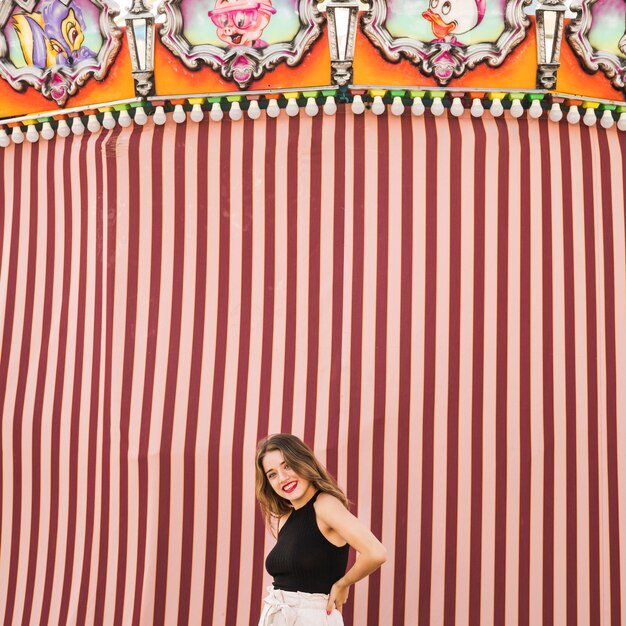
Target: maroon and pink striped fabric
<point>437,305</point>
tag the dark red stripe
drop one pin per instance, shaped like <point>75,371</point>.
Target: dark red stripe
<point>380,364</point>
<point>195,375</point>
<point>95,379</point>
<point>592,377</point>
<point>570,377</point>
<point>428,409</point>
<point>134,209</point>
<point>59,384</point>
<point>265,383</point>
<point>501,372</point>
<point>478,355</point>
<point>42,367</point>
<point>356,328</point>
<point>339,207</point>
<point>217,400</point>
<point>149,375</point>
<point>313,327</point>
<point>110,152</point>
<point>169,405</point>
<point>611,375</point>
<point>70,546</point>
<point>243,367</point>
<point>404,383</point>
<point>547,285</point>
<point>454,356</point>
<point>524,382</point>
<point>18,412</point>
<point>292,272</point>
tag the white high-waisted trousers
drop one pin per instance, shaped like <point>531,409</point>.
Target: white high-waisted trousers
<point>297,608</point>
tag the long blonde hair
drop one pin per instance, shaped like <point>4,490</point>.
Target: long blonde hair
<point>303,462</point>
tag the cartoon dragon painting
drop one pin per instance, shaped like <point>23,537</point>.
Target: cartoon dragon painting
<point>54,36</point>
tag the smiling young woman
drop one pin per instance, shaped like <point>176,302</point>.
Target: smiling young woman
<point>308,514</point>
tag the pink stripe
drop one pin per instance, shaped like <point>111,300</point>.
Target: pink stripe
<point>40,384</point>
<point>218,382</point>
<point>269,284</point>
<point>149,377</point>
<point>242,373</point>
<point>430,325</point>
<point>58,389</point>
<point>292,216</point>
<point>608,237</point>
<point>525,377</point>
<point>404,393</point>
<point>380,366</point>
<point>29,255</point>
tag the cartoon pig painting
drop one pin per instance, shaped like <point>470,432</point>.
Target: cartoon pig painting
<point>242,22</point>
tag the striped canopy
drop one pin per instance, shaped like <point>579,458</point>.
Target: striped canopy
<point>436,305</point>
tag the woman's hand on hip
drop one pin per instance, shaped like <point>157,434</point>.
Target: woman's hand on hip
<point>338,597</point>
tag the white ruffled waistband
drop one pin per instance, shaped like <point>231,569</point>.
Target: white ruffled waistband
<point>297,608</point>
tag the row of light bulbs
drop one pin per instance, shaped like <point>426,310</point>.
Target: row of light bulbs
<point>311,108</point>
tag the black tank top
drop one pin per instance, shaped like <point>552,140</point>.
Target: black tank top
<point>303,559</point>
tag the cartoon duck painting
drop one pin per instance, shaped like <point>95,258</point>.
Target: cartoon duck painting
<point>454,17</point>
<point>622,44</point>
<point>242,22</point>
<point>54,36</point>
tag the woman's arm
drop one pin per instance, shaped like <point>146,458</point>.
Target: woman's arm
<point>333,516</point>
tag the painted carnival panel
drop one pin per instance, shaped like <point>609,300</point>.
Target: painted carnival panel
<point>56,45</point>
<point>598,36</point>
<point>445,38</point>
<point>240,38</point>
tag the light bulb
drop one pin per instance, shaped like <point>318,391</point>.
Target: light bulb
<point>159,116</point>
<point>124,119</point>
<point>556,113</point>
<point>621,122</point>
<point>535,111</point>
<point>197,114</point>
<point>216,112</point>
<point>418,108</point>
<point>140,116</point>
<point>63,130</point>
<point>607,121</point>
<point>358,106</point>
<point>179,115</point>
<point>254,112</point>
<point>47,132</point>
<point>235,113</point>
<point>378,106</point>
<point>5,140</point>
<point>590,118</point>
<point>457,108</point>
<point>17,135</point>
<point>397,108</point>
<point>108,121</point>
<point>31,133</point>
<point>573,115</point>
<point>330,106</point>
<point>93,125</point>
<point>78,128</point>
<point>477,108</point>
<point>273,110</point>
<point>496,107</point>
<point>292,109</point>
<point>311,107</point>
<point>517,110</point>
<point>437,108</point>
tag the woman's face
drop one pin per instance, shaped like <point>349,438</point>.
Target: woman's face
<point>284,480</point>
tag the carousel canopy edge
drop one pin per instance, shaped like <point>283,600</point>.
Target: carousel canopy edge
<point>71,65</point>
